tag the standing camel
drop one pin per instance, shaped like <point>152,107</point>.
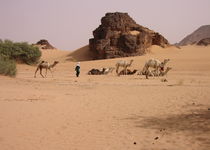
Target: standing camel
<point>123,63</point>
<point>45,65</point>
<point>156,64</point>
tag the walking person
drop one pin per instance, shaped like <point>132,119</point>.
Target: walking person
<point>77,69</point>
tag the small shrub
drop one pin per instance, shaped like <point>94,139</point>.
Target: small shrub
<point>11,52</point>
<point>7,67</point>
<point>21,52</point>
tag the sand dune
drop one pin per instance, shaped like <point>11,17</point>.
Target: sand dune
<point>81,54</point>
<point>107,111</point>
<point>51,55</point>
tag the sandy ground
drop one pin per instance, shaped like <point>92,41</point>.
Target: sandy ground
<point>108,112</point>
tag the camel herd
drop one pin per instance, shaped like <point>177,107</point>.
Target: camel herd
<point>157,66</point>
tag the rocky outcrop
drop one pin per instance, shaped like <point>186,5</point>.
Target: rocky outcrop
<point>44,44</point>
<point>120,36</point>
<point>204,42</point>
<point>199,34</point>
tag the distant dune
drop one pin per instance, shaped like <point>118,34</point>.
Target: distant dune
<point>55,54</point>
<point>81,54</point>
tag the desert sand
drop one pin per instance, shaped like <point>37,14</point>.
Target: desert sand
<point>108,112</point>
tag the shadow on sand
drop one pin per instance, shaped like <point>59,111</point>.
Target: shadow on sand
<point>196,123</point>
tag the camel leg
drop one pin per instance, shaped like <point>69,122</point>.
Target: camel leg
<point>41,72</point>
<point>126,71</point>
<point>144,70</point>
<point>156,72</point>
<point>147,74</point>
<point>117,69</point>
<point>51,72</point>
<point>36,72</point>
<point>152,74</point>
<point>46,73</point>
<point>118,74</point>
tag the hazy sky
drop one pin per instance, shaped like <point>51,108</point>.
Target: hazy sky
<point>68,24</point>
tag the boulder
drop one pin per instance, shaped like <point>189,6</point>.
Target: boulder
<point>44,44</point>
<point>120,36</point>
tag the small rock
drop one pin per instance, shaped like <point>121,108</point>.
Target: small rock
<point>208,108</point>
<point>156,138</point>
<point>134,143</point>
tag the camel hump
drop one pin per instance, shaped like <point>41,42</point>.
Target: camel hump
<point>42,62</point>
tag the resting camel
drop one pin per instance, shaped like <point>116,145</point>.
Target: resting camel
<point>129,72</point>
<point>156,64</point>
<point>45,65</point>
<point>123,63</point>
<point>108,70</point>
<point>96,71</point>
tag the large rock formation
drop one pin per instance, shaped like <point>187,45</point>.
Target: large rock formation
<point>199,34</point>
<point>44,44</point>
<point>204,42</point>
<point>120,36</point>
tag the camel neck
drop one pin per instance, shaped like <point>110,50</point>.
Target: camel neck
<point>53,65</point>
<point>166,71</point>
